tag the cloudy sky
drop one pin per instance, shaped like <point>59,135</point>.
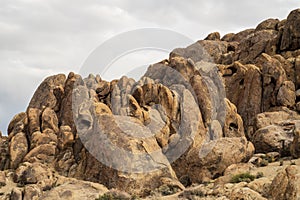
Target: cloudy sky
<point>44,37</point>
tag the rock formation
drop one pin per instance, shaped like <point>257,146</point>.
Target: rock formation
<point>193,119</point>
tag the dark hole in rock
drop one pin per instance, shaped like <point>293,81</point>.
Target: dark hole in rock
<point>241,82</point>
<point>230,48</point>
<point>233,69</point>
<point>273,80</point>
<point>185,181</point>
<point>233,126</point>
<point>230,71</point>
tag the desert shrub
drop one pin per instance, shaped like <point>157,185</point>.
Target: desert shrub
<point>281,163</point>
<point>108,196</point>
<point>244,177</point>
<point>264,162</point>
<point>259,174</point>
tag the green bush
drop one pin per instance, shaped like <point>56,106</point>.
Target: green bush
<point>244,177</point>
<point>111,196</point>
<point>108,197</point>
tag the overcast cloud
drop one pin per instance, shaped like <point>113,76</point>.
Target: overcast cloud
<point>39,38</point>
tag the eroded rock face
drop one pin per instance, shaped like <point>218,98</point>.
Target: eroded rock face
<point>111,132</point>
<point>291,32</point>
<point>45,95</point>
<point>286,184</point>
<point>274,131</point>
<point>254,45</point>
<point>214,157</point>
<point>244,89</point>
<point>18,149</point>
<point>295,146</point>
<point>205,108</point>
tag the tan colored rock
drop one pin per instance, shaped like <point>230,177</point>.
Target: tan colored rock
<point>65,137</point>
<point>2,178</point>
<point>103,90</point>
<point>261,185</point>
<point>46,137</point>
<point>117,194</point>
<point>238,168</point>
<point>16,194</point>
<point>44,96</point>
<point>203,97</point>
<point>228,37</point>
<point>4,153</point>
<point>214,157</point>
<point>244,89</point>
<point>245,193</point>
<point>233,126</point>
<point>203,50</point>
<point>65,162</point>
<point>18,123</point>
<point>279,117</point>
<point>120,154</point>
<point>65,114</point>
<point>174,124</point>
<point>295,146</point>
<point>49,120</point>
<point>42,153</point>
<point>135,109</point>
<point>273,77</point>
<point>254,45</point>
<point>286,95</point>
<point>33,120</point>
<point>267,24</point>
<point>213,36</point>
<point>274,131</point>
<point>291,32</point>
<point>101,108</point>
<point>271,138</point>
<point>32,192</point>
<point>18,149</point>
<point>286,184</point>
<point>298,106</point>
<point>289,67</point>
<point>297,72</point>
<point>73,189</point>
<point>240,36</point>
<point>33,173</point>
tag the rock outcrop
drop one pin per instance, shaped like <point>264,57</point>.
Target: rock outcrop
<point>187,128</point>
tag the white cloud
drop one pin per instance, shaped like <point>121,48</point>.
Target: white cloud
<point>39,38</point>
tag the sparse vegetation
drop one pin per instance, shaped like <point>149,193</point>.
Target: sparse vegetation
<point>109,196</point>
<point>244,177</point>
<point>189,193</point>
<point>281,163</point>
<point>106,197</point>
<point>264,162</point>
<point>166,190</point>
<point>293,162</point>
<point>259,175</point>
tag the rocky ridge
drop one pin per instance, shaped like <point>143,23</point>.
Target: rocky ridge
<point>214,110</point>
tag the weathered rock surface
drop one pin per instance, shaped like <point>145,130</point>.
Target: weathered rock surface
<point>286,184</point>
<point>291,32</point>
<point>275,131</point>
<point>184,130</point>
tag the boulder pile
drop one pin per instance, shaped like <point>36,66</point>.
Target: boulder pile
<point>215,108</point>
